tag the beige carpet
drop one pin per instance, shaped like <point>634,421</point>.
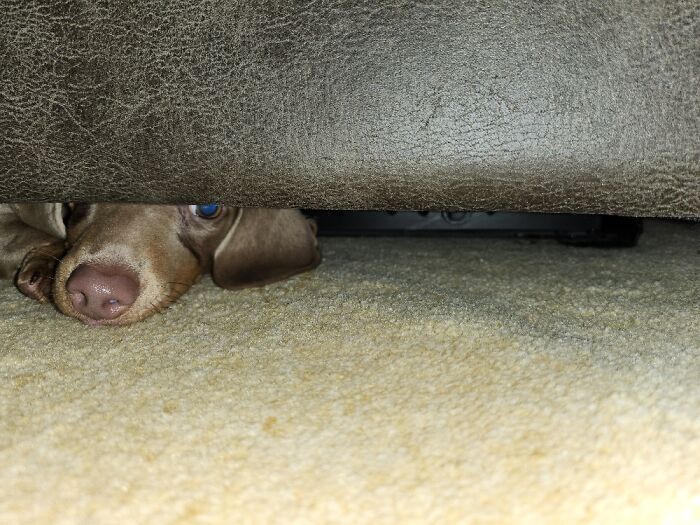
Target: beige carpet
<point>404,381</point>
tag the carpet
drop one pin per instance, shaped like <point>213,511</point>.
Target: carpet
<point>405,380</point>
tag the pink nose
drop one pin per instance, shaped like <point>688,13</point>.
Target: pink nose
<point>102,292</point>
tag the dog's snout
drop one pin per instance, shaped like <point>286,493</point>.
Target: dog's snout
<point>101,292</point>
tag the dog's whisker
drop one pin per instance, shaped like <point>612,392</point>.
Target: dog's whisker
<point>176,285</point>
<point>156,308</point>
<point>165,302</point>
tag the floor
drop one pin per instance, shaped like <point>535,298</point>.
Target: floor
<point>404,381</point>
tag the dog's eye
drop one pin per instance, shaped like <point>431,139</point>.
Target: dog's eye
<point>206,211</point>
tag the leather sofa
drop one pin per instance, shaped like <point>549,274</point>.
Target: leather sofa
<point>555,106</point>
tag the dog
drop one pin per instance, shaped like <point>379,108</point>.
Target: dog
<point>116,264</point>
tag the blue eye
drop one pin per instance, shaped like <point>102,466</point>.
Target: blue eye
<point>206,211</point>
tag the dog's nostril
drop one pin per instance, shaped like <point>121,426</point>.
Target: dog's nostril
<point>78,298</point>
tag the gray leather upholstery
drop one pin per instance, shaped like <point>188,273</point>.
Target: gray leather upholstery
<point>583,106</point>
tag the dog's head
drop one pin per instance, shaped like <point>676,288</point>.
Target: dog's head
<point>124,262</point>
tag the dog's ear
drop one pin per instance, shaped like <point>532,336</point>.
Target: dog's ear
<point>263,246</point>
<point>44,216</point>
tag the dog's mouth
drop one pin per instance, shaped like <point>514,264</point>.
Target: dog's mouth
<point>133,314</point>
<point>105,295</point>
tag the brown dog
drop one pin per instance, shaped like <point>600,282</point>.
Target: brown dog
<point>115,264</point>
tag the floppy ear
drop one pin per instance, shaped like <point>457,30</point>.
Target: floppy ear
<point>43,216</point>
<point>263,246</point>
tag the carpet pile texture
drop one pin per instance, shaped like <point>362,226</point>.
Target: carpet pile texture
<point>404,381</point>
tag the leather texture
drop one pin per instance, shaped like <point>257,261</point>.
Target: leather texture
<point>529,105</point>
